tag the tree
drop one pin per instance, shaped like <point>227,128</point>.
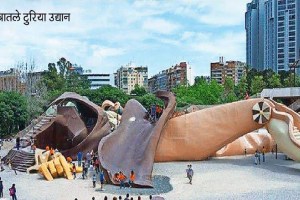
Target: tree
<point>257,85</point>
<point>228,93</point>
<point>200,80</point>
<point>242,88</point>
<point>274,81</point>
<point>52,80</point>
<point>138,90</point>
<point>202,93</point>
<point>149,99</point>
<point>13,112</point>
<point>65,79</point>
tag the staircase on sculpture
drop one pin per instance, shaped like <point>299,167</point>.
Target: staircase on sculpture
<point>296,133</point>
<point>295,106</point>
<point>35,127</point>
<point>20,160</point>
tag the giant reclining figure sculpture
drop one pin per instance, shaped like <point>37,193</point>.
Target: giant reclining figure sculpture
<point>137,142</point>
<point>193,136</point>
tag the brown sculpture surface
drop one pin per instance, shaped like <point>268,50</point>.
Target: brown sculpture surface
<point>132,146</point>
<point>73,129</point>
<point>251,142</point>
<point>197,135</point>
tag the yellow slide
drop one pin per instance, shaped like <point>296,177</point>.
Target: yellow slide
<point>66,167</point>
<point>52,169</point>
<point>59,168</point>
<point>44,170</point>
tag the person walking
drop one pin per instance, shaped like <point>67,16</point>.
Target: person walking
<point>258,152</point>
<point>97,165</point>
<point>245,152</point>
<point>256,157</point>
<point>18,143</point>
<point>153,113</point>
<point>74,170</point>
<point>79,158</point>
<point>131,178</point>
<point>84,170</point>
<point>190,174</point>
<point>94,180</point>
<point>12,192</point>
<point>101,179</point>
<point>263,153</point>
<point>88,158</point>
<point>1,188</point>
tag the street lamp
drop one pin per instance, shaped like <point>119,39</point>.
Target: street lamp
<point>294,66</point>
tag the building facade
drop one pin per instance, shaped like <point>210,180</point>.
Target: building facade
<point>219,71</point>
<point>10,80</point>
<point>254,19</point>
<point>96,80</point>
<point>166,80</point>
<point>279,44</point>
<point>128,76</point>
<point>32,81</point>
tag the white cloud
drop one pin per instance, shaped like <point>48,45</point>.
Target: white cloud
<point>161,26</point>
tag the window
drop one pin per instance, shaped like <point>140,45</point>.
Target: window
<point>281,24</point>
<point>280,45</point>
<point>292,22</point>
<point>292,55</point>
<point>291,17</point>
<point>280,61</point>
<point>291,60</point>
<point>281,2</point>
<point>291,50</point>
<point>291,1</point>
<point>292,39</point>
<point>280,55</point>
<point>292,44</point>
<point>281,7</point>
<point>292,6</point>
<point>292,33</point>
<point>280,13</point>
<point>292,28</point>
<point>280,34</point>
<point>281,18</point>
<point>280,40</point>
<point>280,67</point>
<point>280,29</point>
<point>280,50</point>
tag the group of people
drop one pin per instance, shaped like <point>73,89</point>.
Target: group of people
<point>257,156</point>
<point>154,112</point>
<point>121,198</point>
<point>121,178</point>
<point>89,161</point>
<point>12,190</point>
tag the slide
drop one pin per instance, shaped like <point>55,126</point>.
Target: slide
<point>133,145</point>
<point>284,127</point>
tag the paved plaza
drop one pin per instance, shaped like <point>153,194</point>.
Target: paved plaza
<point>218,178</point>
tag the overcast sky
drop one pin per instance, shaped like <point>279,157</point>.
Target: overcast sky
<point>103,35</point>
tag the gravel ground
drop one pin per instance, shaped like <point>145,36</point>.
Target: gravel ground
<point>218,178</point>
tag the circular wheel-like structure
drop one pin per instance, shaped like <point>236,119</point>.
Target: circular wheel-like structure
<point>261,112</point>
